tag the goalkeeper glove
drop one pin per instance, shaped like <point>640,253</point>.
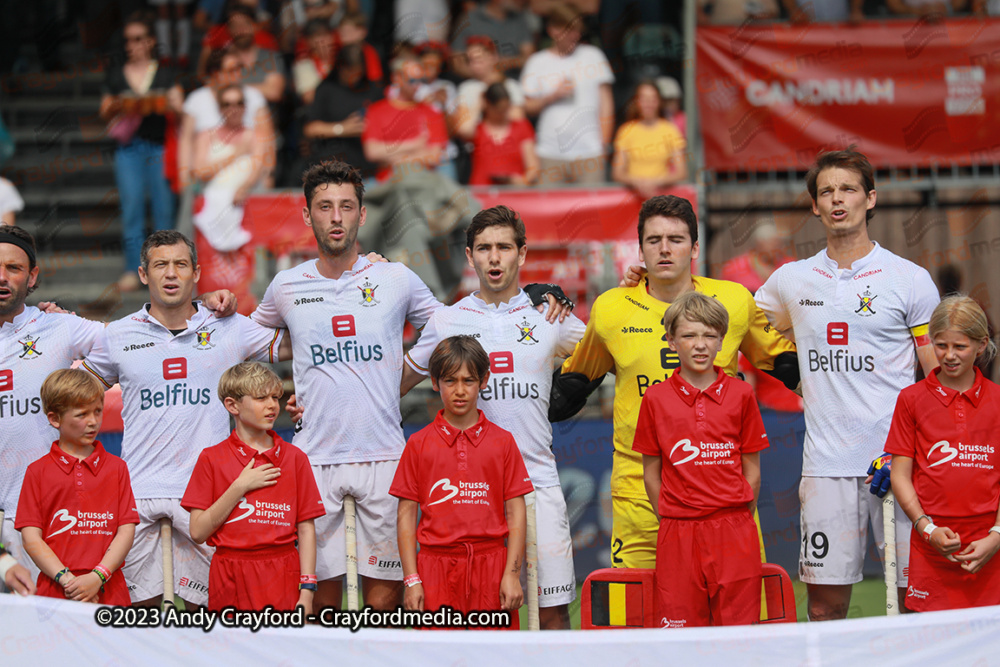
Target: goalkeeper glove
<point>879,470</point>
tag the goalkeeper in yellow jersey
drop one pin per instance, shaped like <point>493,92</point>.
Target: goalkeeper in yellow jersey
<point>625,336</point>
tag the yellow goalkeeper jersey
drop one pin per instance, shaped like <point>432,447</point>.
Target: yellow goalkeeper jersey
<point>625,335</point>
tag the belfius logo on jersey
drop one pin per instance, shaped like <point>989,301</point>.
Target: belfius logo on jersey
<point>502,384</point>
<point>179,393</point>
<point>84,523</point>
<point>347,351</point>
<point>11,406</point>
<point>839,361</point>
<point>705,454</point>
<point>964,456</point>
<point>466,493</point>
<point>263,512</point>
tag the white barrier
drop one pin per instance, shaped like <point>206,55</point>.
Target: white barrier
<point>41,631</point>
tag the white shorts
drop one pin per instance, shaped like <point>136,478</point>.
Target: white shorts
<point>143,567</point>
<point>835,515</point>
<point>11,539</point>
<point>378,553</point>
<point>556,575</point>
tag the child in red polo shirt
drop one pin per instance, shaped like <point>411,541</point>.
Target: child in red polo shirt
<point>699,433</point>
<point>468,479</point>
<point>944,439</point>
<point>76,512</point>
<point>251,497</point>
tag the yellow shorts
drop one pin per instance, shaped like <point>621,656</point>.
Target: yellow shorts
<point>633,537</point>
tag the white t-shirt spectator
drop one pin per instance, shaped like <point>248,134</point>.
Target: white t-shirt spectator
<point>202,105</point>
<point>10,199</point>
<point>419,21</point>
<point>569,129</point>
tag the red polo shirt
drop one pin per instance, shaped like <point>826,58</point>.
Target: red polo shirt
<point>265,517</point>
<point>79,505</point>
<point>393,122</point>
<point>953,439</point>
<point>700,436</point>
<point>461,480</point>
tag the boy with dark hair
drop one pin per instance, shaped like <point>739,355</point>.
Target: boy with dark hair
<point>76,512</point>
<point>270,559</point>
<point>700,434</point>
<point>467,477</point>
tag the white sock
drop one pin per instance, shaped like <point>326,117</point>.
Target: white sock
<point>183,37</point>
<point>163,37</point>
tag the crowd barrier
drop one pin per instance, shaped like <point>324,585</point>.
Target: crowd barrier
<point>44,631</point>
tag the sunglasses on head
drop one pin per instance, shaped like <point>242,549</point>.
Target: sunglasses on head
<point>416,82</point>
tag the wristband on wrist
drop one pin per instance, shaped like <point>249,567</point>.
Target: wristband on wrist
<point>922,516</point>
<point>102,572</point>
<point>929,529</point>
<point>60,573</point>
<point>308,587</point>
<point>6,562</point>
<point>994,529</point>
<point>307,579</point>
<point>411,580</point>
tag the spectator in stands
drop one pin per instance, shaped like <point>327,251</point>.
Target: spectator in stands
<point>401,134</point>
<point>730,12</point>
<point>353,29</point>
<point>505,23</point>
<point>568,86</point>
<point>419,21</point>
<point>221,36</point>
<point>138,95</point>
<point>439,93</point>
<point>295,15</point>
<point>316,63</point>
<point>504,149</point>
<point>670,92</point>
<point>806,11</point>
<point>163,33</point>
<point>263,67</point>
<point>230,164</point>
<point>986,7</point>
<point>649,150</point>
<point>336,118</point>
<point>10,202</point>
<point>484,67</point>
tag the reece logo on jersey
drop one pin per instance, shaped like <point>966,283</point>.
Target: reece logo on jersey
<point>468,493</point>
<point>262,512</point>
<point>348,351</point>
<point>839,361</point>
<point>708,454</point>
<point>505,386</point>
<point>174,394</point>
<point>964,456</point>
<point>84,523</point>
<point>12,406</point>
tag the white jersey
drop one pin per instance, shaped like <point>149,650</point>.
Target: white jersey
<point>522,347</point>
<point>854,329</point>
<point>347,342</point>
<point>34,345</point>
<point>170,402</point>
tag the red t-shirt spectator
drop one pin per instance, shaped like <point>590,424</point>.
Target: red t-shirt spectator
<point>392,122</point>
<point>218,37</point>
<point>499,159</point>
<point>700,436</point>
<point>461,480</point>
<point>953,440</point>
<point>265,517</point>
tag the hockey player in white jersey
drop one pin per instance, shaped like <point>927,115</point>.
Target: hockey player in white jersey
<point>523,347</point>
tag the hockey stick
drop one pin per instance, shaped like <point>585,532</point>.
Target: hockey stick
<point>531,562</point>
<point>350,527</point>
<point>167,549</point>
<point>889,530</point>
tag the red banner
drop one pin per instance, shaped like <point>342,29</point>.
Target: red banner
<point>907,92</point>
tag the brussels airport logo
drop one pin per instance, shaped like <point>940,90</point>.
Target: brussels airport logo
<point>924,31</point>
<point>244,507</point>
<point>29,348</point>
<point>686,447</point>
<point>959,222</point>
<point>450,491</point>
<point>945,448</point>
<point>69,521</point>
<point>368,294</point>
<point>203,339</point>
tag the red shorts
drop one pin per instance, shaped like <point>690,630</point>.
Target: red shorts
<point>465,577</point>
<point>936,583</point>
<point>251,579</point>
<point>708,570</point>
<point>115,590</point>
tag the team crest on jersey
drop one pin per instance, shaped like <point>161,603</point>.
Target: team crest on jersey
<point>368,294</point>
<point>526,332</point>
<point>204,339</point>
<point>867,298</point>
<point>29,348</point>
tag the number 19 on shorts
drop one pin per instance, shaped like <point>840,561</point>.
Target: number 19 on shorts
<point>815,547</point>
